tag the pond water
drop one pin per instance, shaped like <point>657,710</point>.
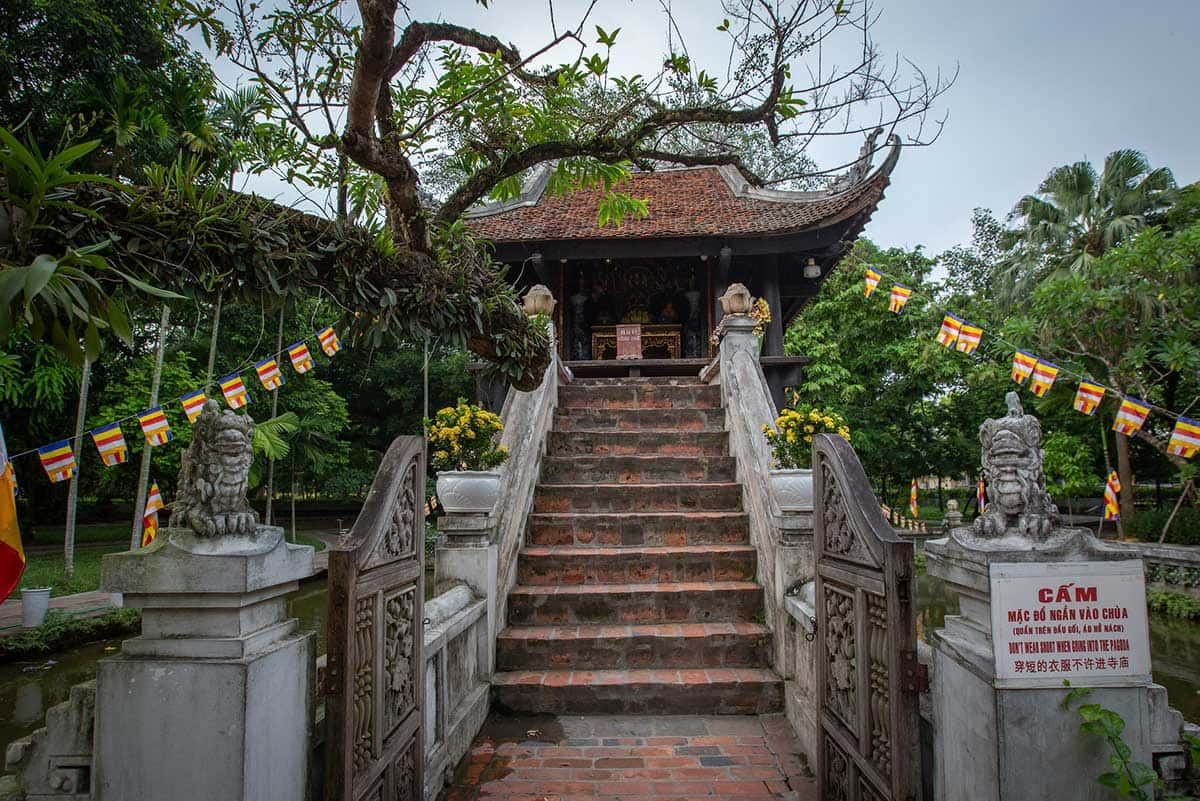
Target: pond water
<point>28,689</point>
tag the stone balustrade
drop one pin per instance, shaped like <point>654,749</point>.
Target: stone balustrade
<point>1171,567</point>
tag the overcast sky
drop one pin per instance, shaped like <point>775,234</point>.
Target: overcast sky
<point>1041,83</point>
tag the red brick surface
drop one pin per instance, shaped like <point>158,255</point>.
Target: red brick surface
<point>633,759</point>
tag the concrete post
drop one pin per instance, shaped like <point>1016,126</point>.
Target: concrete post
<point>469,554</point>
<point>213,700</point>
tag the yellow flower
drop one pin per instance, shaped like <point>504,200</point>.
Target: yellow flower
<point>808,429</point>
<point>441,454</point>
<point>808,437</point>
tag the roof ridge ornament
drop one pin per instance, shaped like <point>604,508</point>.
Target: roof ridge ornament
<point>861,167</point>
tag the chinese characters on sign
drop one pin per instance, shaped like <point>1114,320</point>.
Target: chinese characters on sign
<point>629,342</point>
<point>1084,622</point>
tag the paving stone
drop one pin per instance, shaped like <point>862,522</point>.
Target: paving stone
<point>620,771</point>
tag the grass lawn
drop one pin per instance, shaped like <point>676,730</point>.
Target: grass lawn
<point>86,532</point>
<point>46,570</point>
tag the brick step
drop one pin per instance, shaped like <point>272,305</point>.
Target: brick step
<point>718,691</point>
<point>640,419</point>
<point>698,497</point>
<point>637,469</point>
<point>676,645</point>
<point>640,396</point>
<point>646,565</point>
<point>646,528</point>
<point>637,443</point>
<point>682,602</point>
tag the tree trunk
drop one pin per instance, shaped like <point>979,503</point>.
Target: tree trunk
<point>85,379</point>
<point>139,503</point>
<point>293,497</point>
<point>268,517</point>
<point>212,343</point>
<point>1125,474</point>
<point>1183,491</point>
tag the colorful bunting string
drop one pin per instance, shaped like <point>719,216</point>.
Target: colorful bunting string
<point>301,359</point>
<point>1185,439</point>
<point>872,282</point>
<point>155,427</point>
<point>899,297</point>
<point>1131,416</point>
<point>1088,397</point>
<point>193,404</point>
<point>948,335</point>
<point>58,458</point>
<point>1044,374</point>
<point>268,374</point>
<point>110,442</point>
<point>234,391</point>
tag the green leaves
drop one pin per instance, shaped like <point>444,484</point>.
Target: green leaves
<point>605,38</point>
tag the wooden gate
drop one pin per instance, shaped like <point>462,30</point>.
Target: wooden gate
<point>868,678</point>
<point>373,674</point>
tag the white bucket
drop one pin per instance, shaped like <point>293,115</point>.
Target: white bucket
<point>34,605</point>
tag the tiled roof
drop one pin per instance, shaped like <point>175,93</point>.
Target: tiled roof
<point>688,202</point>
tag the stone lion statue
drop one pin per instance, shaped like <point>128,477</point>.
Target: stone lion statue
<point>211,496</point>
<point>1017,502</point>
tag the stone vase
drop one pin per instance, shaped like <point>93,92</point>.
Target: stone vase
<point>793,489</point>
<point>736,300</point>
<point>468,491</point>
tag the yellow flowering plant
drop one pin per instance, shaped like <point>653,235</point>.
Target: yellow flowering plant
<point>760,313</point>
<point>791,436</point>
<point>463,437</point>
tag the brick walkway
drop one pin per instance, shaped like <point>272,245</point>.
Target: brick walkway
<point>83,604</point>
<point>628,758</point>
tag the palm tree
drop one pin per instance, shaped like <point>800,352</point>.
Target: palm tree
<point>1077,215</point>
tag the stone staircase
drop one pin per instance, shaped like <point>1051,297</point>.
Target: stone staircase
<point>635,591</point>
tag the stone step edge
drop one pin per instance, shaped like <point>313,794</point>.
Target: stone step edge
<point>702,587</point>
<point>636,676</point>
<point>570,551</point>
<point>644,486</point>
<point>629,631</point>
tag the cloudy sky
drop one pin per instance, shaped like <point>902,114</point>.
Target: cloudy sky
<point>1041,83</point>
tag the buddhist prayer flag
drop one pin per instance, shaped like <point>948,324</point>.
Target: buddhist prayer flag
<point>155,426</point>
<point>154,502</point>
<point>193,404</point>
<point>58,460</point>
<point>968,338</point>
<point>329,341</point>
<point>1088,397</point>
<point>1022,366</point>
<point>111,444</point>
<point>268,374</point>
<point>1044,374</point>
<point>1130,416</point>
<point>872,282</point>
<point>899,297</point>
<point>951,325</point>
<point>980,496</point>
<point>1185,439</point>
<point>913,509</point>
<point>234,391</point>
<point>301,359</point>
<point>1112,489</point>
<point>12,555</point>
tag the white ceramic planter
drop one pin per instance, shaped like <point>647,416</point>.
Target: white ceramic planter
<point>793,489</point>
<point>468,491</point>
<point>35,602</point>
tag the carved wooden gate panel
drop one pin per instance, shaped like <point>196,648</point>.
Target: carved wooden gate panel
<point>373,673</point>
<point>868,678</point>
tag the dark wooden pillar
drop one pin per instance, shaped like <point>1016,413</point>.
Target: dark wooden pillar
<point>773,340</point>
<point>720,282</point>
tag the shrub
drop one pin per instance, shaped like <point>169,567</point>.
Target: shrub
<point>1178,605</point>
<point>463,437</point>
<point>1148,525</point>
<point>791,438</point>
<point>61,631</point>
